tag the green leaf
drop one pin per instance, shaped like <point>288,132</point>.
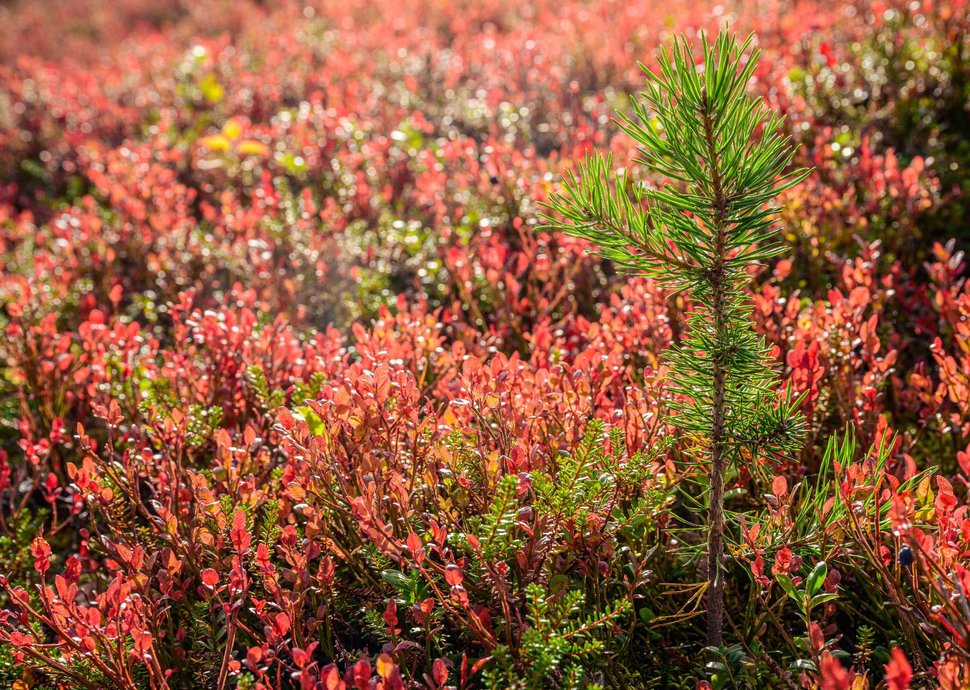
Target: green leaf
<point>397,580</point>
<point>817,578</point>
<point>787,585</point>
<point>824,598</point>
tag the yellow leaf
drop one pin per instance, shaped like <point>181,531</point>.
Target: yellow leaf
<point>492,465</point>
<point>211,90</point>
<point>248,147</point>
<point>385,666</point>
<point>216,142</point>
<point>492,401</point>
<point>232,130</point>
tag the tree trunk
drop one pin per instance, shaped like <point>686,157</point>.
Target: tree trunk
<point>715,511</point>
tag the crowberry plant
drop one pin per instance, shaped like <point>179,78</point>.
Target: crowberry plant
<point>724,160</point>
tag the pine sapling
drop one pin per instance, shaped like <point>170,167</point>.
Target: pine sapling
<point>725,160</point>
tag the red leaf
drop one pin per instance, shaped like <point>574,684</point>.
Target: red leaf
<point>143,640</point>
<point>779,486</point>
<point>898,671</point>
<point>414,542</point>
<point>453,575</point>
<point>833,674</point>
<point>300,657</point>
<point>439,671</point>
<point>281,624</point>
<point>331,678</point>
<point>41,552</point>
<point>241,539</point>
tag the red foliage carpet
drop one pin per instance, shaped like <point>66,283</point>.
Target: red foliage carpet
<point>295,394</point>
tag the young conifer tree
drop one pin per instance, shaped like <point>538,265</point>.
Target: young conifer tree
<point>725,160</point>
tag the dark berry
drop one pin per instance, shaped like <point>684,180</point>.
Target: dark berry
<point>906,556</point>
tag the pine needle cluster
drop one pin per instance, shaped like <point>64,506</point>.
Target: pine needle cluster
<point>724,159</point>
